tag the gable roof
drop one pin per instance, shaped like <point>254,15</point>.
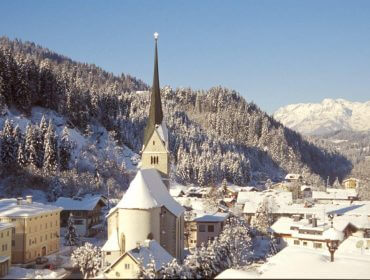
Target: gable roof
<point>87,203</point>
<point>147,191</point>
<point>150,249</point>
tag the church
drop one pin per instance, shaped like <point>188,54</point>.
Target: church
<point>147,211</point>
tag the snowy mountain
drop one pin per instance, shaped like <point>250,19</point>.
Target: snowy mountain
<point>328,116</point>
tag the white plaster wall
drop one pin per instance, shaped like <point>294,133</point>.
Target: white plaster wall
<point>136,224</point>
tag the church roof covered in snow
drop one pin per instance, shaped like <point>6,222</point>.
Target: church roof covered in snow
<point>112,243</point>
<point>147,191</point>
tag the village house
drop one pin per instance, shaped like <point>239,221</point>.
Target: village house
<point>291,177</point>
<point>351,183</point>
<point>128,265</point>
<point>204,227</point>
<point>86,212</point>
<point>333,195</point>
<point>37,228</point>
<point>6,238</point>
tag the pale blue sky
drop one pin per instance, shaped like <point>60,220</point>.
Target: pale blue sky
<point>273,52</point>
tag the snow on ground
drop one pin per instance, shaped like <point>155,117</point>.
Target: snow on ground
<point>237,274</point>
<point>23,273</point>
<point>296,262</point>
<point>86,149</point>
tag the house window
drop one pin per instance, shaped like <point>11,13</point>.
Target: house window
<point>202,228</point>
<point>211,228</point>
<point>78,222</point>
<point>304,243</point>
<point>127,266</point>
<point>296,242</point>
<point>108,253</point>
<point>117,274</point>
<point>317,245</point>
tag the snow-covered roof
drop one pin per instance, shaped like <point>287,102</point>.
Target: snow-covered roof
<point>147,191</point>
<point>332,193</point>
<point>333,234</point>
<point>151,249</point>
<point>277,198</point>
<point>10,208</point>
<point>176,191</point>
<point>293,176</point>
<point>305,187</point>
<point>144,253</point>
<point>88,202</point>
<point>215,217</point>
<point>112,244</point>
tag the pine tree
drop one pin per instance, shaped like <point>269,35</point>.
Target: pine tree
<point>71,237</point>
<point>8,144</point>
<point>262,218</point>
<point>30,147</point>
<point>55,189</point>
<point>51,150</point>
<point>65,149</point>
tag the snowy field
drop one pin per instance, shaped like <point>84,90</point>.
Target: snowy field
<point>297,263</point>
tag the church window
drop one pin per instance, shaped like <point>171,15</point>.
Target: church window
<point>153,143</point>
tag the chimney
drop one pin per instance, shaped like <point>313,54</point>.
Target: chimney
<point>29,199</point>
<point>314,221</point>
<point>19,200</point>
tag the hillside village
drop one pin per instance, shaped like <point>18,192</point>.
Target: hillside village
<point>162,229</point>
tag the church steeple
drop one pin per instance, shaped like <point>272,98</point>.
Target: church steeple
<point>155,111</point>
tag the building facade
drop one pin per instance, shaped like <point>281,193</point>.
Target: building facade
<point>6,238</point>
<point>37,228</point>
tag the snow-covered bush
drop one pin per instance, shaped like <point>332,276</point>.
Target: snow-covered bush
<point>88,259</point>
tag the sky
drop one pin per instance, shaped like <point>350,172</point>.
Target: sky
<point>273,53</point>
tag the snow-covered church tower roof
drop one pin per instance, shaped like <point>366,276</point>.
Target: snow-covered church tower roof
<point>148,191</point>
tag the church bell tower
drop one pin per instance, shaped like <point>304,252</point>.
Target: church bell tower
<point>155,150</point>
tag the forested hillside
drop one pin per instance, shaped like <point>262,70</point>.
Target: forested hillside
<point>214,134</point>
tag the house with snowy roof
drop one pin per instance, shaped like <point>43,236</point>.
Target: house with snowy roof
<point>203,227</point>
<point>333,195</point>
<point>351,183</point>
<point>36,228</point>
<point>292,177</point>
<point>129,264</point>
<point>7,232</point>
<point>86,212</point>
<point>147,210</point>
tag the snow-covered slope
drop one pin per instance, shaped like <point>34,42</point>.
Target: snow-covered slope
<point>327,116</point>
<point>87,151</point>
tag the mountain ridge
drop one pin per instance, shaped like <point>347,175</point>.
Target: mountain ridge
<point>327,116</point>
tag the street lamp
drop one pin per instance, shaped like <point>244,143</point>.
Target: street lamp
<point>332,238</point>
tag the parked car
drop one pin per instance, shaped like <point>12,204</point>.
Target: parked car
<point>49,266</point>
<point>41,260</point>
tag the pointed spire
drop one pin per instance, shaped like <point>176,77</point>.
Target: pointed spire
<point>155,111</point>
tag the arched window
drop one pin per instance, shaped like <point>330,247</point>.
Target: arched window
<point>157,159</point>
<point>151,160</point>
<point>153,142</point>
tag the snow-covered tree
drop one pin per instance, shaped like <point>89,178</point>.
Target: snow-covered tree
<point>88,259</point>
<point>148,271</point>
<point>55,189</point>
<point>51,162</point>
<point>65,149</point>
<point>71,237</point>
<point>262,218</point>
<point>30,146</point>
<point>8,144</point>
